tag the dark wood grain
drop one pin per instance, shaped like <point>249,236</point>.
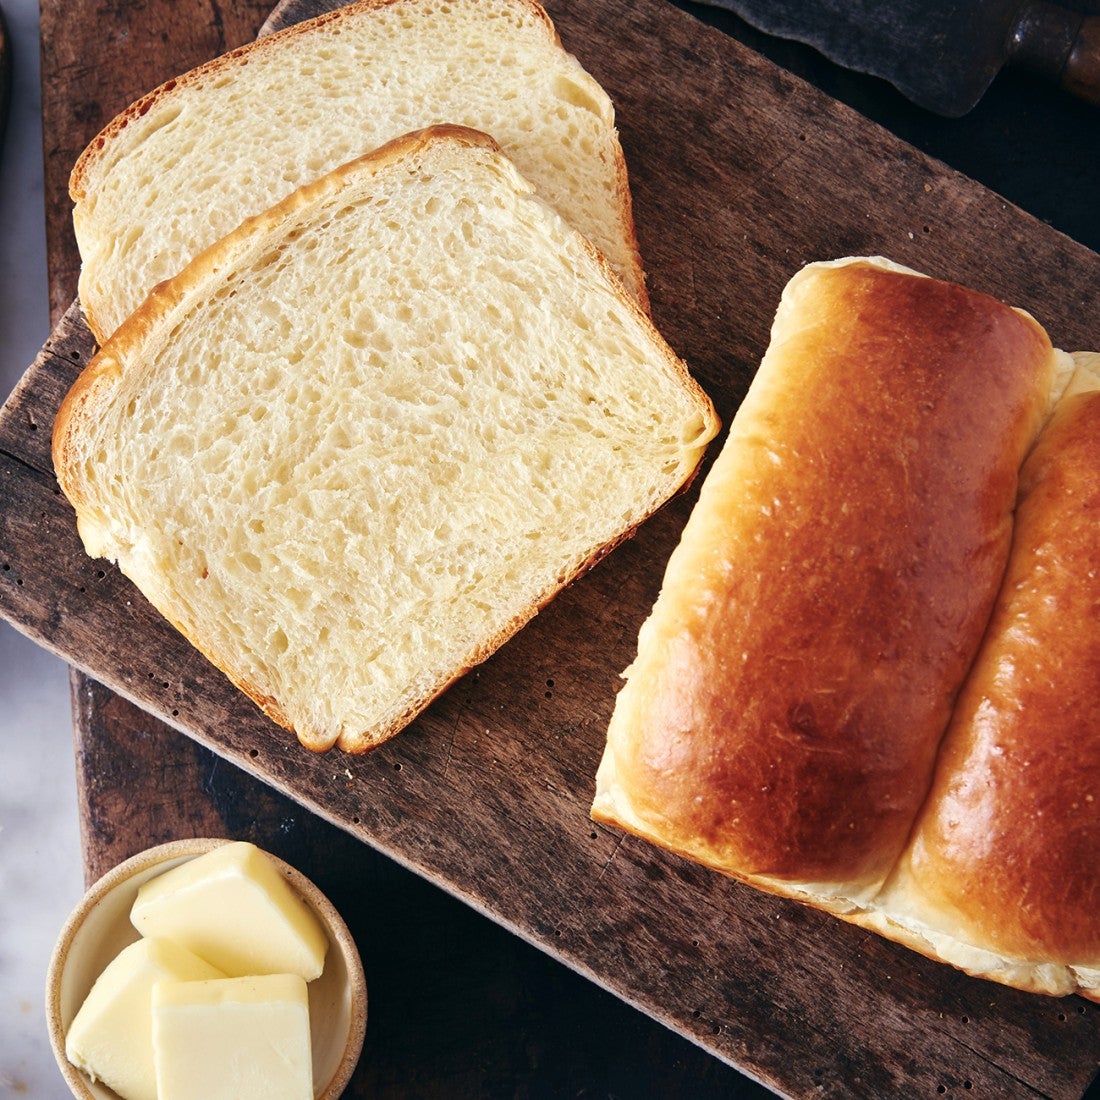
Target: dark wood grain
<point>487,794</point>
<point>458,1006</point>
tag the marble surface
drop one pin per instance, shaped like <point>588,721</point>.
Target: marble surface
<point>40,865</point>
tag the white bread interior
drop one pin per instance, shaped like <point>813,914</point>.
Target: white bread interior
<point>358,443</point>
<point>186,164</point>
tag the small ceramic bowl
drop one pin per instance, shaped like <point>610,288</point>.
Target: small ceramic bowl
<point>99,928</point>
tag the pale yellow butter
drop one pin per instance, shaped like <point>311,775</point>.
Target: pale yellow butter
<point>111,1036</point>
<point>232,907</point>
<point>233,1039</point>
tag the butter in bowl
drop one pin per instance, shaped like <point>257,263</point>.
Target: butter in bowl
<point>205,968</point>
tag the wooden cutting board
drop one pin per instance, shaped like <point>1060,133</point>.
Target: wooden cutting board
<point>740,175</point>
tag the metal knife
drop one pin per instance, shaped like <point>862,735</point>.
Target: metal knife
<point>941,54</point>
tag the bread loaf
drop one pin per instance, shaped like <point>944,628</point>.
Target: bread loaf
<point>187,163</point>
<point>357,443</point>
<point>784,719</point>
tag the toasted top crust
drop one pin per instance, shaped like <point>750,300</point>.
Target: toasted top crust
<point>1007,849</point>
<point>833,583</point>
<point>188,162</point>
<point>357,443</point>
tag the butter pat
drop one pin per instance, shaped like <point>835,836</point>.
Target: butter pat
<point>233,1039</point>
<point>232,907</point>
<point>111,1036</point>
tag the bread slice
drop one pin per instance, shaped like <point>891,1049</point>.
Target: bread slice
<point>186,164</point>
<point>356,444</point>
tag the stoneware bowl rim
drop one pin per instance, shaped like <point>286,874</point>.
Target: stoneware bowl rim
<point>339,995</point>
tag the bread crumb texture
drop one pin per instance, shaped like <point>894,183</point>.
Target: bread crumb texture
<point>361,443</point>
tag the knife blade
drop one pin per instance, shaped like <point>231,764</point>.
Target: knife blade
<point>942,54</point>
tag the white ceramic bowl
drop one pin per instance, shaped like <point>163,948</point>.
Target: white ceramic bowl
<point>99,928</point>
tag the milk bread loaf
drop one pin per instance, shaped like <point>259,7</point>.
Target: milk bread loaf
<point>357,443</point>
<point>187,163</point>
<point>1002,871</point>
<point>784,720</point>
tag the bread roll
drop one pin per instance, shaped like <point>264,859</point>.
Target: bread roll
<point>357,444</point>
<point>784,715</point>
<point>187,163</point>
<point>1005,856</point>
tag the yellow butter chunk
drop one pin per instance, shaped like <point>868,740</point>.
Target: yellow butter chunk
<point>111,1036</point>
<point>233,1039</point>
<point>232,907</point>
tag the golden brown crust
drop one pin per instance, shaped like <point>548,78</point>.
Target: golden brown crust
<point>1008,845</point>
<point>833,583</point>
<point>999,877</point>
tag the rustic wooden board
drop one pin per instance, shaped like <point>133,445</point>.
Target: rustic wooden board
<point>740,174</point>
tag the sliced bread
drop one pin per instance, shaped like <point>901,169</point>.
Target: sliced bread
<point>356,444</point>
<point>186,164</point>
